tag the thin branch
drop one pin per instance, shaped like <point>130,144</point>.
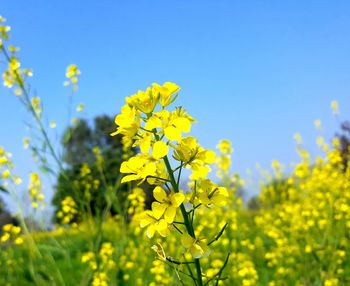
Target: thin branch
<point>218,275</point>
<point>222,269</point>
<point>219,234</point>
<point>170,259</point>
<point>158,178</point>
<point>177,229</point>
<point>179,175</point>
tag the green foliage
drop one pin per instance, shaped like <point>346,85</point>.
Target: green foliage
<point>344,140</point>
<point>91,178</point>
<point>79,140</point>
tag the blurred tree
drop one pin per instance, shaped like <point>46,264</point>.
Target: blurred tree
<point>2,205</point>
<point>253,203</point>
<point>92,160</point>
<point>5,216</point>
<point>344,140</point>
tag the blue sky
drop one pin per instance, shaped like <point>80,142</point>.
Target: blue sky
<point>254,72</point>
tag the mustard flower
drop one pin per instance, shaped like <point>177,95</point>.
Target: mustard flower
<point>138,168</point>
<point>166,205</point>
<point>167,92</point>
<point>147,219</point>
<point>197,247</point>
<point>209,193</point>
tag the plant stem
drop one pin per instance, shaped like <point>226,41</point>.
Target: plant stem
<point>187,222</point>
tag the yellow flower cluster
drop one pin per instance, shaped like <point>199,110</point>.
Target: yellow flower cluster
<point>14,76</point>
<point>87,183</point>
<point>306,219</point>
<point>131,260</point>
<point>72,74</point>
<point>6,166</point>
<point>36,105</point>
<point>4,35</point>
<point>143,126</point>
<point>11,233</point>
<point>68,211</point>
<point>136,200</point>
<point>223,161</point>
<point>161,275</point>
<point>101,264</point>
<point>243,270</point>
<point>35,190</point>
<point>145,123</point>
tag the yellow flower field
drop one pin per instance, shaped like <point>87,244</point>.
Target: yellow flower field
<point>174,215</point>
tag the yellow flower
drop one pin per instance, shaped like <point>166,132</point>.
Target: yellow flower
<point>145,101</point>
<point>335,107</point>
<point>68,210</point>
<point>128,123</point>
<point>156,121</point>
<point>197,247</point>
<point>6,174</point>
<point>166,91</point>
<point>176,127</point>
<point>166,205</point>
<point>138,168</point>
<point>80,108</point>
<point>331,282</point>
<point>26,142</point>
<point>72,70</point>
<point>72,73</point>
<point>35,189</point>
<point>52,124</point>
<point>210,194</point>
<point>308,249</point>
<point>87,256</point>
<point>36,105</point>
<point>144,141</point>
<point>11,232</point>
<point>19,240</point>
<point>147,219</point>
<point>100,279</point>
<point>225,146</point>
<point>15,230</point>
<point>195,157</point>
<point>5,237</point>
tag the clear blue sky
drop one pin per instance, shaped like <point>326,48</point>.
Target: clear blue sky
<point>254,72</point>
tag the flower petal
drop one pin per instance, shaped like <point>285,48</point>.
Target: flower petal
<point>162,228</point>
<point>177,199</point>
<point>130,178</point>
<point>160,149</point>
<point>172,133</point>
<point>187,240</point>
<point>159,194</point>
<point>151,229</point>
<point>153,122</point>
<point>209,157</point>
<point>158,209</point>
<point>170,214</point>
<point>197,251</point>
<point>183,124</point>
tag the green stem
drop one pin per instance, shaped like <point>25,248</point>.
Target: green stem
<point>187,222</point>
